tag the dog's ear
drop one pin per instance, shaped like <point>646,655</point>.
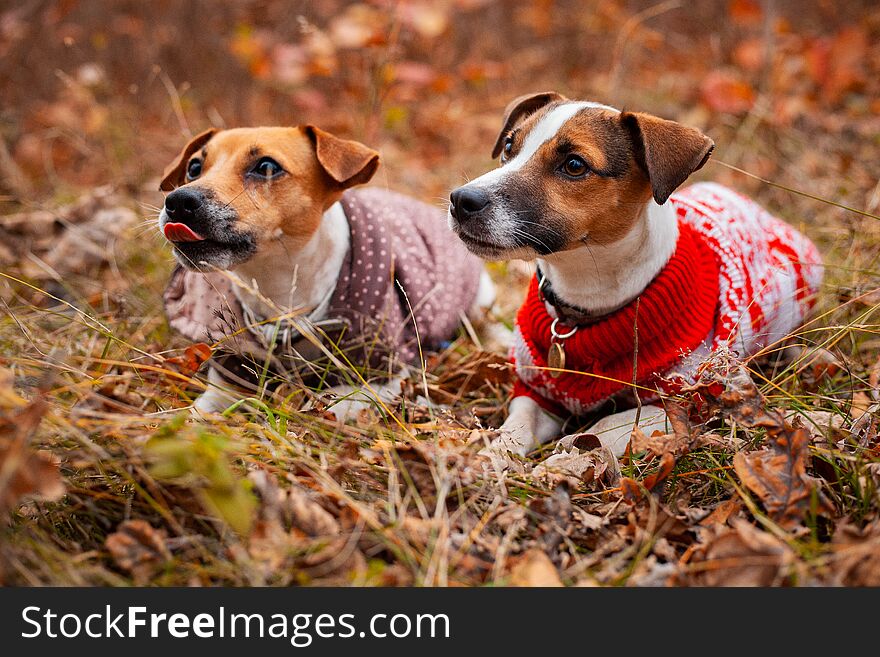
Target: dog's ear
<point>347,162</point>
<point>520,108</point>
<point>173,175</point>
<point>667,151</point>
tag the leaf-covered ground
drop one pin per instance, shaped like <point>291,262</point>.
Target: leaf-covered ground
<point>104,478</point>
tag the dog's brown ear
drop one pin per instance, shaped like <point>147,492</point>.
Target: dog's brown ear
<point>667,151</point>
<point>518,109</point>
<point>173,174</point>
<point>348,162</point>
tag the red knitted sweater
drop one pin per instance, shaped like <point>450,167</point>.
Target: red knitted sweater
<point>739,278</point>
<point>675,314</point>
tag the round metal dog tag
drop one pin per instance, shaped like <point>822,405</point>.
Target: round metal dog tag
<point>556,359</point>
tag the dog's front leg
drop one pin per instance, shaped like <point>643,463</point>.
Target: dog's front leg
<point>217,396</point>
<point>614,431</point>
<point>527,426</point>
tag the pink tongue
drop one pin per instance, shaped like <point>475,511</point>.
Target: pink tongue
<point>175,232</point>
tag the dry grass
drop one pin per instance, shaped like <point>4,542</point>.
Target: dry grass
<point>271,494</point>
<point>402,484</point>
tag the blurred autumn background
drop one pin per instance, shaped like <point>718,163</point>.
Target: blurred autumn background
<point>99,96</point>
<point>98,93</point>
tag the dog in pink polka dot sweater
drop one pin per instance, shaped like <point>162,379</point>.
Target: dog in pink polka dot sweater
<point>281,263</point>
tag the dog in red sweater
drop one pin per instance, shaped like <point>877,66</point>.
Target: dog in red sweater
<point>628,270</point>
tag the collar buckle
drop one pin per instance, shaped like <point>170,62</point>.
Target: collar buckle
<point>561,336</point>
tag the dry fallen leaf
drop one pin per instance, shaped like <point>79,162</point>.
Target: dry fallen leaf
<point>874,379</point>
<point>534,568</point>
<point>577,459</point>
<point>722,513</point>
<point>88,245</point>
<point>633,490</point>
<point>308,516</point>
<point>742,556</point>
<point>652,572</point>
<point>630,489</point>
<point>845,71</point>
<point>777,475</point>
<point>192,359</point>
<point>860,405</point>
<point>395,575</point>
<point>815,365</point>
<point>736,396</point>
<point>296,536</point>
<point>667,463</point>
<point>856,558</point>
<point>574,467</point>
<point>75,238</point>
<point>23,472</point>
<point>682,440</point>
<point>139,549</point>
<point>657,443</point>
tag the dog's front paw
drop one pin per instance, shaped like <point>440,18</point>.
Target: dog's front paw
<point>210,402</point>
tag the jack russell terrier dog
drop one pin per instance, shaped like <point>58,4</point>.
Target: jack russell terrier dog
<point>293,272</point>
<point>588,191</point>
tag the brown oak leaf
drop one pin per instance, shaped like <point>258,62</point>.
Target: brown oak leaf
<point>24,472</point>
<point>139,549</point>
<point>578,459</point>
<point>633,490</point>
<point>778,476</point>
<point>735,395</point>
<point>296,536</point>
<point>742,556</point>
<point>856,558</point>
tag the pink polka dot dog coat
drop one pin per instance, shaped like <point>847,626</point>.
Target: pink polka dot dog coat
<point>405,281</point>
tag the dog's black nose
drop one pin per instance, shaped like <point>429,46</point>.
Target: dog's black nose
<point>468,201</point>
<point>181,204</point>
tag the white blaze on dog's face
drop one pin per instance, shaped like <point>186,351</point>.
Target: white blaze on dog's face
<point>236,190</point>
<point>572,173</point>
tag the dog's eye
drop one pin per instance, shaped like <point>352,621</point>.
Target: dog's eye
<point>575,167</point>
<point>266,167</point>
<point>507,149</point>
<point>194,169</point>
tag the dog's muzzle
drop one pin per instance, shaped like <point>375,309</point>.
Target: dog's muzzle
<point>181,207</point>
<point>468,203</point>
<point>201,230</point>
